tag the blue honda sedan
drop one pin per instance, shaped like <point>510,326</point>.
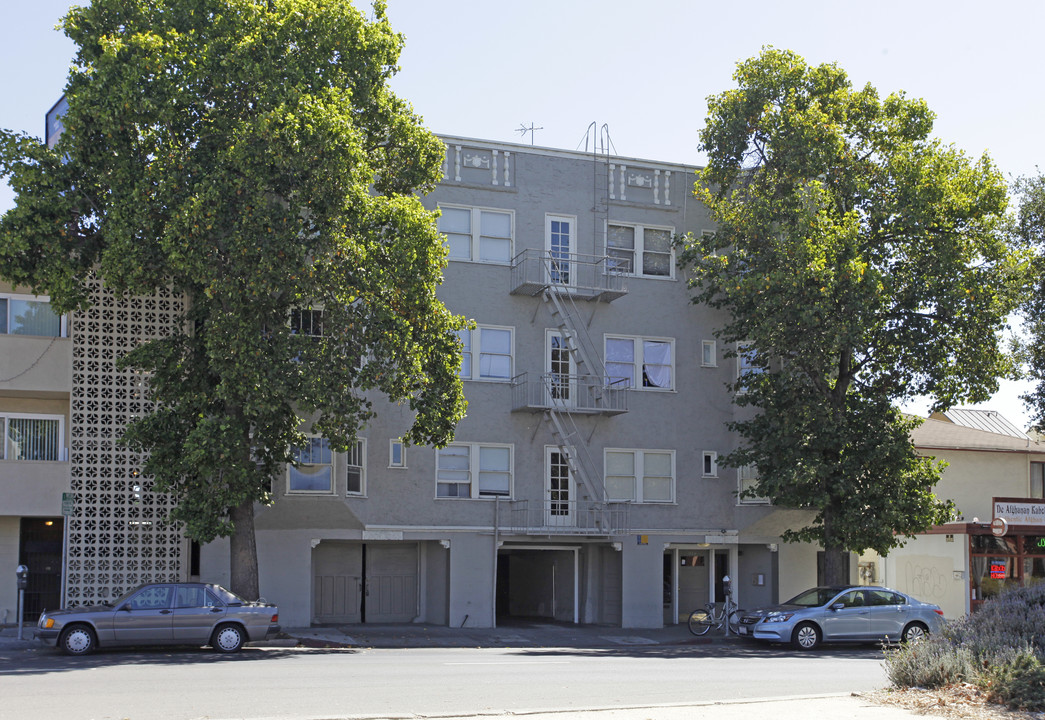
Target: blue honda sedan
<point>843,614</point>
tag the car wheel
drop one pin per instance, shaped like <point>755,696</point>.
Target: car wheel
<point>806,636</point>
<point>227,638</point>
<point>914,633</point>
<point>78,640</point>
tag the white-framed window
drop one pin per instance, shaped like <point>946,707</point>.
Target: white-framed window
<point>710,468</point>
<point>396,454</point>
<point>487,353</point>
<point>30,315</point>
<point>560,233</point>
<point>474,470</point>
<point>747,476</point>
<point>313,469</point>
<point>642,363</point>
<point>479,234</point>
<point>316,468</point>
<point>32,437</point>
<point>708,353</point>
<point>355,463</point>
<point>640,250</point>
<point>645,476</point>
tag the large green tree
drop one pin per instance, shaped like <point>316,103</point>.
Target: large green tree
<point>249,154</point>
<point>1030,229</point>
<point>859,263</point>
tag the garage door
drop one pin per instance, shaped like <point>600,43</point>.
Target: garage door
<point>364,582</point>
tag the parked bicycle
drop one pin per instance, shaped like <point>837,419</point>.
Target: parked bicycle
<point>711,616</point>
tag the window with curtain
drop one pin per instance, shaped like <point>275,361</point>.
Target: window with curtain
<point>314,468</point>
<point>641,362</point>
<point>639,250</point>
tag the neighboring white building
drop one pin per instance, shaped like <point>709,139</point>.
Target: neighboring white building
<point>990,475</point>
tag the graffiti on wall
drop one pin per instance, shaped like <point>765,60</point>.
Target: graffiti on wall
<point>928,578</point>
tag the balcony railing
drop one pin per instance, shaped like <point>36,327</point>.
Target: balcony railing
<point>589,277</point>
<point>584,394</point>
<point>578,517</point>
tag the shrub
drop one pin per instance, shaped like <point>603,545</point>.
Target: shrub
<point>1019,683</point>
<point>1001,648</point>
<point>933,662</point>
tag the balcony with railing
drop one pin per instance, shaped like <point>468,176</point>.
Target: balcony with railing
<point>581,394</point>
<point>551,517</point>
<point>586,277</point>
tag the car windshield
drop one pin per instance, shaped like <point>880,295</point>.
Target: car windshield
<point>227,596</point>
<point>814,597</point>
<point>123,597</point>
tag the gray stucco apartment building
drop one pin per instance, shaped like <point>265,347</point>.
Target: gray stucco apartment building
<point>582,486</point>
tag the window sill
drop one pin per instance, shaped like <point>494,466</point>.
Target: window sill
<point>483,498</point>
<point>494,263</point>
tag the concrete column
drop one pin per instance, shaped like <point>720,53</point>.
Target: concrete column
<point>643,575</point>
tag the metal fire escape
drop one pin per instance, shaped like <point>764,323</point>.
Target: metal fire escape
<point>562,280</point>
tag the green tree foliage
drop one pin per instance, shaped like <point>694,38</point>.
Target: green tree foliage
<point>860,263</point>
<point>251,155</point>
<point>1030,228</point>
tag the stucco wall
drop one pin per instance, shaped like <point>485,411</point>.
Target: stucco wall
<point>932,568</point>
<point>9,538</point>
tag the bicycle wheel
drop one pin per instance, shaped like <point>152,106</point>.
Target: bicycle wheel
<point>700,622</point>
<point>734,622</point>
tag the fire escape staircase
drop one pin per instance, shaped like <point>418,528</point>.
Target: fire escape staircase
<point>589,392</point>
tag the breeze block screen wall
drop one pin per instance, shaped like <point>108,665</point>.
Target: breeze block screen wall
<point>117,536</point>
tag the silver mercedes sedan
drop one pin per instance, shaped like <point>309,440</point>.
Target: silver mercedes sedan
<point>843,614</point>
<point>162,614</point>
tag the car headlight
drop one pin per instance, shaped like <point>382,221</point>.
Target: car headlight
<point>778,617</point>
<point>46,622</point>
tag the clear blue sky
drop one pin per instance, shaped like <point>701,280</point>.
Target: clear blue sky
<point>482,69</point>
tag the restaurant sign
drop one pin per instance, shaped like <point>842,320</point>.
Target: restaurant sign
<point>1020,511</point>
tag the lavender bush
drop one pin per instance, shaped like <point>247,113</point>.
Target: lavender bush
<point>1001,647</point>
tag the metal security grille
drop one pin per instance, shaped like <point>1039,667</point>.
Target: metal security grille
<point>117,535</point>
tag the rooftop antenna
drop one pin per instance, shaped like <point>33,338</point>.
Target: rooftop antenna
<point>522,130</point>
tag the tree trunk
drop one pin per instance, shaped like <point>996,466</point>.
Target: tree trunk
<point>243,556</point>
<point>835,570</point>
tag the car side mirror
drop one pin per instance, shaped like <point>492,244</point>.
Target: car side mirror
<point>838,606</point>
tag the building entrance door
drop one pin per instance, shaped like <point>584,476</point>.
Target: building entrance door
<point>40,549</point>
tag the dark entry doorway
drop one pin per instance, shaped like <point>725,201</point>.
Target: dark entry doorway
<point>40,549</point>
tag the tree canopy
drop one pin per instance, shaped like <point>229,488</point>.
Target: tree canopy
<point>250,155</point>
<point>860,263</point>
<point>1030,229</point>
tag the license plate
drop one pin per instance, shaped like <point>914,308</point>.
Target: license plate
<point>743,630</point>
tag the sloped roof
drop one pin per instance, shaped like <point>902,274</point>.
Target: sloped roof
<point>934,433</point>
<point>988,420</point>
